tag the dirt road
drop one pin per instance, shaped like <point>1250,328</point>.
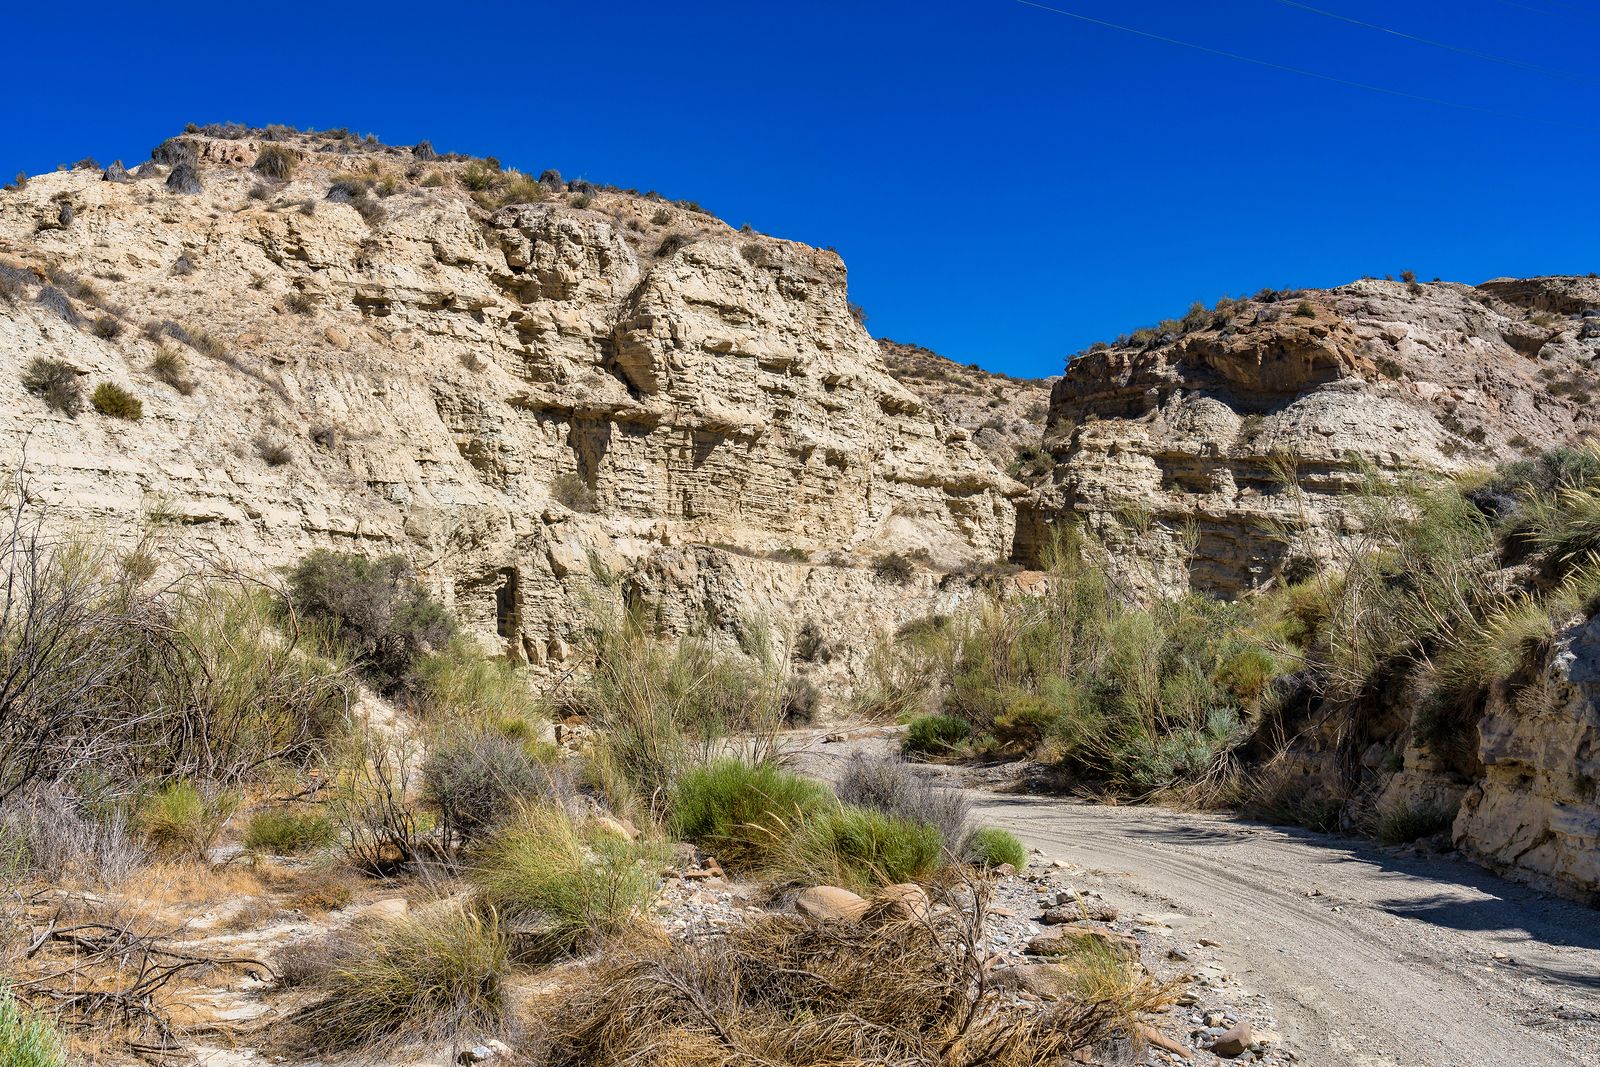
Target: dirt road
<point>1370,959</point>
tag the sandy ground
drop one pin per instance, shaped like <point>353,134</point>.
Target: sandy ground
<point>1372,957</point>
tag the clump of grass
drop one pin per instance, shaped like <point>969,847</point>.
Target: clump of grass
<point>1304,310</point>
<point>743,812</point>
<point>167,366</point>
<point>662,709</point>
<point>937,734</point>
<point>1404,822</point>
<point>431,975</point>
<point>288,832</point>
<point>56,383</point>
<point>53,299</point>
<point>894,568</point>
<point>992,846</point>
<point>894,787</point>
<point>572,491</point>
<point>26,1039</point>
<point>276,161</point>
<point>570,885</point>
<point>861,849</point>
<point>274,451</point>
<point>107,327</point>
<point>181,819</point>
<point>113,400</point>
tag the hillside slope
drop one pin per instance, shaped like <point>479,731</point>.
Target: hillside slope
<point>1217,451</point>
<point>518,385</point>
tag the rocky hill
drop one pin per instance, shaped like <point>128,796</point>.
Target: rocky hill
<point>1005,415</point>
<point>1220,450</point>
<point>534,390</point>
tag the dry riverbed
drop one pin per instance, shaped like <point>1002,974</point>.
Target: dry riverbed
<point>1367,956</point>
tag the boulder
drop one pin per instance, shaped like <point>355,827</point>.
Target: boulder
<point>1234,1041</point>
<point>830,903</point>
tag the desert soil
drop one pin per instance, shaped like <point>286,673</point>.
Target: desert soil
<point>1372,957</point>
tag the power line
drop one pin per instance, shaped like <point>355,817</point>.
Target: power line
<point>1445,45</point>
<point>1278,66</point>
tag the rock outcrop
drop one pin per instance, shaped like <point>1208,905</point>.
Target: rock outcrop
<point>1218,452</point>
<point>579,390</point>
<point>1005,415</point>
<point>1535,811</point>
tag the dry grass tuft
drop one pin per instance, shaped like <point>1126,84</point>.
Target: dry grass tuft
<point>785,991</point>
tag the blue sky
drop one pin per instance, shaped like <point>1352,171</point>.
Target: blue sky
<point>1007,184</point>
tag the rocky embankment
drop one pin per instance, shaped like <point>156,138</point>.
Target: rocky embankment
<point>1005,415</point>
<point>538,392</point>
<point>1224,450</point>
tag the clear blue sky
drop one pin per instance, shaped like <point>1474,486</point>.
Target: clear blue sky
<point>1006,184</point>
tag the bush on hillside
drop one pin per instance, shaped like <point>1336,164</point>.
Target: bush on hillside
<point>111,399</point>
<point>379,611</point>
<point>476,777</point>
<point>56,383</point>
<point>276,161</point>
<point>184,819</point>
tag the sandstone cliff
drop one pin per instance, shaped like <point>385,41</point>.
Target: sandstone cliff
<point>535,391</point>
<point>1217,451</point>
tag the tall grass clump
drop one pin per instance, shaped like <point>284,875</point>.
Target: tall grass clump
<point>112,399</point>
<point>276,161</point>
<point>183,819</point>
<point>860,849</point>
<point>992,847</point>
<point>563,884</point>
<point>663,708</point>
<point>433,974</point>
<point>743,812</point>
<point>288,831</point>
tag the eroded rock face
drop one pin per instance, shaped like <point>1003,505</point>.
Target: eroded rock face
<point>517,399</point>
<point>1218,458</point>
<point>1535,813</point>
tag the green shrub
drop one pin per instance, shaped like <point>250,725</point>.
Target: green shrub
<point>740,811</point>
<point>56,383</point>
<point>434,974</point>
<point>936,735</point>
<point>861,849</point>
<point>575,884</point>
<point>992,846</point>
<point>1304,310</point>
<point>181,819</point>
<point>387,620</point>
<point>26,1039</point>
<point>111,399</point>
<point>287,832</point>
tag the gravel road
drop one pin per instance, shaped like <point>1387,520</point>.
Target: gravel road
<point>1372,957</point>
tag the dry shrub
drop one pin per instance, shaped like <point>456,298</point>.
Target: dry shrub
<point>432,974</point>
<point>43,831</point>
<point>894,787</point>
<point>782,990</point>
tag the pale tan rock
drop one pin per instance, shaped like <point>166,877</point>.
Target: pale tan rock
<point>831,903</point>
<point>713,406</point>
